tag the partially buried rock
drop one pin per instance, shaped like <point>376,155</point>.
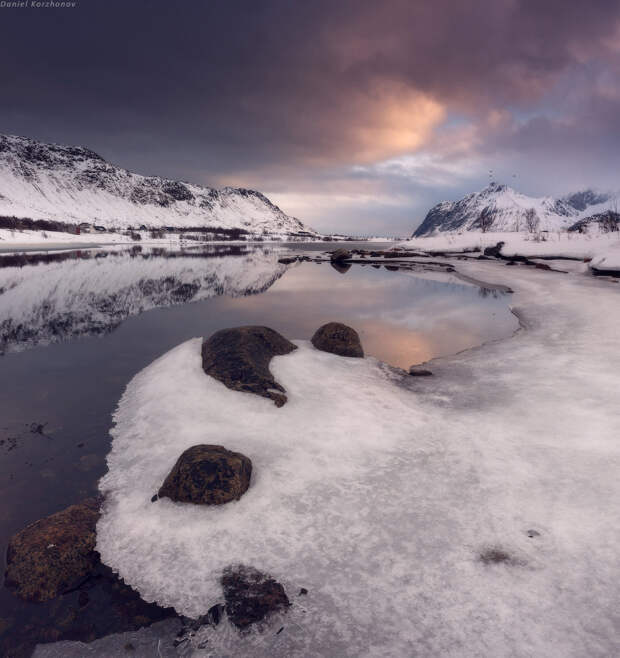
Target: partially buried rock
<point>496,251</point>
<point>338,339</point>
<point>251,595</point>
<point>414,371</point>
<point>53,554</point>
<point>208,475</point>
<point>239,358</point>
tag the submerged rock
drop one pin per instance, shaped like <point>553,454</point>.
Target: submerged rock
<point>208,475</point>
<point>53,554</point>
<point>251,595</point>
<point>339,339</point>
<point>239,358</point>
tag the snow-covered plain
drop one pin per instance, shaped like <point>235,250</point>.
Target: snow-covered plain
<point>474,513</point>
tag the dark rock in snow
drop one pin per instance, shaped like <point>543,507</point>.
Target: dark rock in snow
<point>239,358</point>
<point>53,554</point>
<point>414,371</point>
<point>339,339</point>
<point>340,255</point>
<point>251,595</point>
<point>494,252</point>
<point>496,555</point>
<point>208,475</point>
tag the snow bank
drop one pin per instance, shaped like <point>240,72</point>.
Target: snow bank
<point>53,239</point>
<point>607,259</point>
<point>380,496</point>
<point>558,245</point>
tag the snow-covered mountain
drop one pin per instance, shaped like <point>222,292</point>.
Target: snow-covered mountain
<point>506,209</point>
<point>73,184</point>
<point>52,297</point>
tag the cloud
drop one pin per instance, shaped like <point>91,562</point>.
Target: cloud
<point>407,100</point>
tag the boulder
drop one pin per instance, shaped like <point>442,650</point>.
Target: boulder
<point>339,339</point>
<point>239,358</point>
<point>339,255</point>
<point>207,475</point>
<point>251,595</point>
<point>494,252</point>
<point>414,371</point>
<point>53,554</point>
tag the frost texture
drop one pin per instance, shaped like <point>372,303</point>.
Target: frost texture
<point>384,497</point>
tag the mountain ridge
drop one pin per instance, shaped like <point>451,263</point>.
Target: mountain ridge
<point>507,210</point>
<point>73,184</point>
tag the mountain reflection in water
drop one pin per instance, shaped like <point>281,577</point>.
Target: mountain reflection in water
<point>52,297</point>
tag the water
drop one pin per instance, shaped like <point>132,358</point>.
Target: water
<point>76,326</point>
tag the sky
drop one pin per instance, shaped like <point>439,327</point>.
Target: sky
<point>355,116</point>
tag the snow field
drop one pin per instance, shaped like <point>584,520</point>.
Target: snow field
<point>380,495</point>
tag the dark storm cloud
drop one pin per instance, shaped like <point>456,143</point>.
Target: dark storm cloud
<point>250,92</point>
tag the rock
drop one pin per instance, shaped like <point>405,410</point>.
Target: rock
<point>251,595</point>
<point>239,358</point>
<point>494,252</point>
<point>414,371</point>
<point>288,260</point>
<point>53,554</point>
<point>207,475</point>
<point>339,339</point>
<point>340,255</point>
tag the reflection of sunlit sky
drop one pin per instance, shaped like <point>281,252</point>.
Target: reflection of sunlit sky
<point>402,319</point>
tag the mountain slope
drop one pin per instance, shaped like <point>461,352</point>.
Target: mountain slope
<point>74,185</point>
<point>507,209</point>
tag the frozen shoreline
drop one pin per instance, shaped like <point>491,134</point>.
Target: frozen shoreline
<point>511,449</point>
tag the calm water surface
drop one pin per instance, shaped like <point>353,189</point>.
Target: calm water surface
<point>75,327</point>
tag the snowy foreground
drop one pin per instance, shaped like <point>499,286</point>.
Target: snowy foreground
<point>474,513</point>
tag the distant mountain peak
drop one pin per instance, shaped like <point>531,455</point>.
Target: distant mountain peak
<point>72,184</point>
<point>507,209</point>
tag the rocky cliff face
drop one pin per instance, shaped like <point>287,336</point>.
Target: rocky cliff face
<point>506,209</point>
<point>74,185</point>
